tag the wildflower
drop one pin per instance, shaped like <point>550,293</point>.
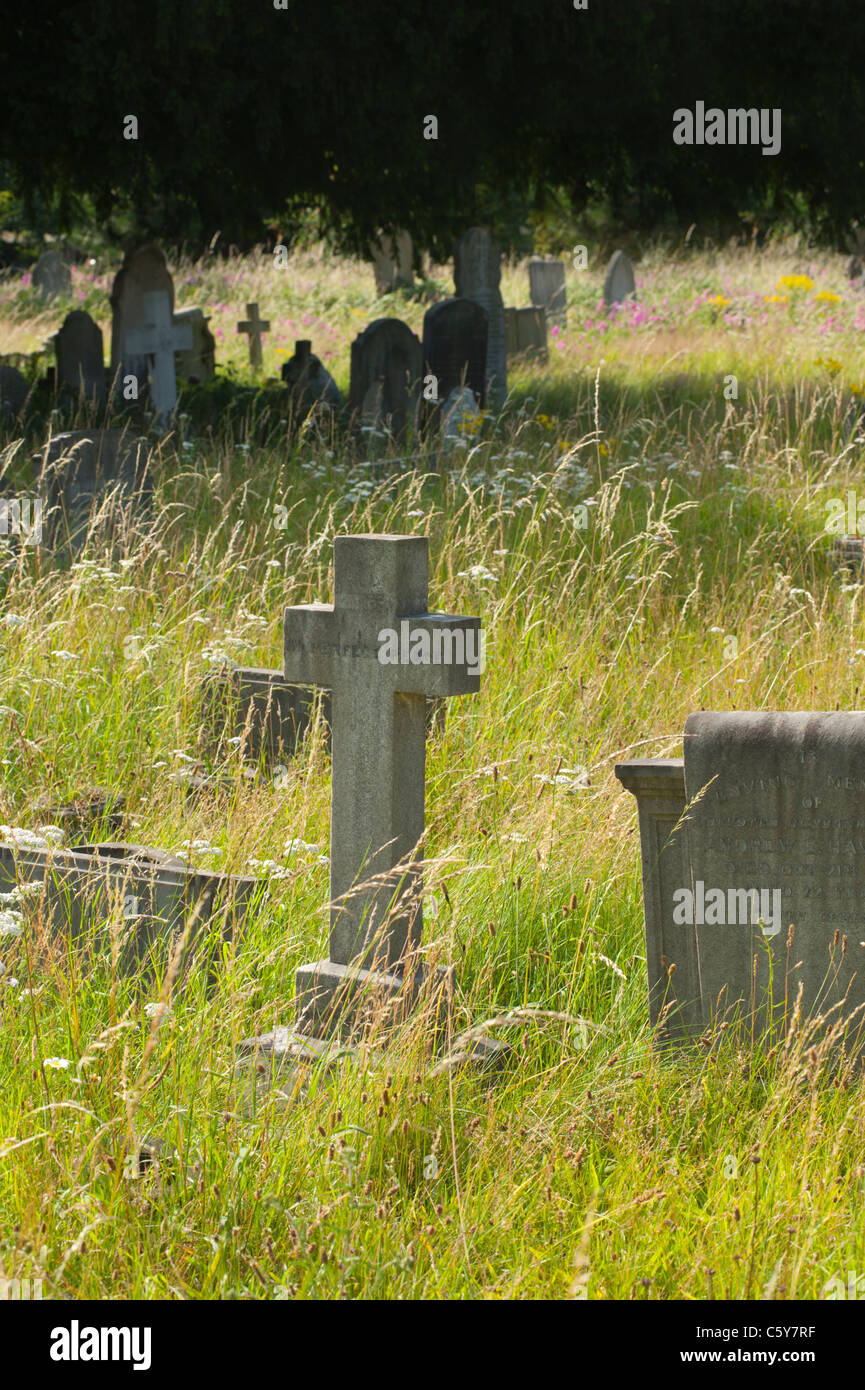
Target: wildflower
<point>300,847</point>
<point>775,298</point>
<point>795,282</point>
<point>719,301</point>
<point>16,837</point>
<point>476,572</point>
<point>828,297</point>
<point>158,1010</point>
<point>10,923</point>
<point>59,1063</point>
<point>14,620</point>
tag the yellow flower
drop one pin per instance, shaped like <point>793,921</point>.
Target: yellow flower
<point>795,282</point>
<point>856,388</point>
<point>832,364</point>
<point>602,449</point>
<point>775,298</point>
<point>828,297</point>
<point>719,301</point>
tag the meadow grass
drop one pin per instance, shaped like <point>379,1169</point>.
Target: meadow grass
<point>615,527</point>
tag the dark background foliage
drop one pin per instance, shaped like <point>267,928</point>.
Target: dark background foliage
<point>249,115</point>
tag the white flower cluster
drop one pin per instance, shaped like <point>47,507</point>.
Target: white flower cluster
<point>16,837</point>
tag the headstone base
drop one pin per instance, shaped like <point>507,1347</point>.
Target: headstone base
<point>342,1000</point>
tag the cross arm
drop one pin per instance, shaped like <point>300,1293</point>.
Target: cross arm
<point>310,644</point>
<point>439,654</point>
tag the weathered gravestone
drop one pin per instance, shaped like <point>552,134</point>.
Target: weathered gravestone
<point>83,814</point>
<point>526,333</point>
<point>547,289</point>
<point>393,263</point>
<point>258,706</point>
<point>143,271</point>
<point>380,652</point>
<point>155,896</point>
<point>848,553</point>
<point>198,362</point>
<point>477,273</point>
<point>80,360</point>
<point>455,335</point>
<point>51,275</point>
<point>91,478</point>
<point>157,337</point>
<point>13,390</point>
<point>254,326</point>
<point>308,381</point>
<point>270,716</point>
<point>386,368</point>
<point>461,418</point>
<point>759,888</point>
<point>619,281</point>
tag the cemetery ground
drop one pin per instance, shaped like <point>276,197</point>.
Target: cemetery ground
<point>638,546</point>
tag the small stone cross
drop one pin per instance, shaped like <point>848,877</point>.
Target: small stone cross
<point>381,653</point>
<point>254,326</point>
<point>157,337</point>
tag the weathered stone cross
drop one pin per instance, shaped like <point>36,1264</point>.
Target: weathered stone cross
<point>158,338</point>
<point>254,326</point>
<point>378,723</point>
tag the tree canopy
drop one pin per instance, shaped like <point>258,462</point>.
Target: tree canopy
<point>243,108</point>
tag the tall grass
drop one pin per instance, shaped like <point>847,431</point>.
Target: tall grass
<point>614,527</point>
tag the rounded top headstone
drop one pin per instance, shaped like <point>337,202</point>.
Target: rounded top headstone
<point>619,280</point>
<point>51,275</point>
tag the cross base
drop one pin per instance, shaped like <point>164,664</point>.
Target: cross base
<point>336,1005</point>
<point>333,1000</point>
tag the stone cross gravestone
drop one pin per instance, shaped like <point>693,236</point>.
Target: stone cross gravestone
<point>393,263</point>
<point>80,360</point>
<point>526,333</point>
<point>75,472</point>
<point>455,346</point>
<point>143,271</point>
<point>547,289</point>
<point>477,273</point>
<point>619,281</point>
<point>760,889</point>
<point>254,326</point>
<point>386,369</point>
<point>197,363</point>
<point>377,800</point>
<point>157,338</point>
<point>308,381</point>
<point>51,275</point>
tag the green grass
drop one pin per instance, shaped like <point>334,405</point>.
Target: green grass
<point>594,1164</point>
